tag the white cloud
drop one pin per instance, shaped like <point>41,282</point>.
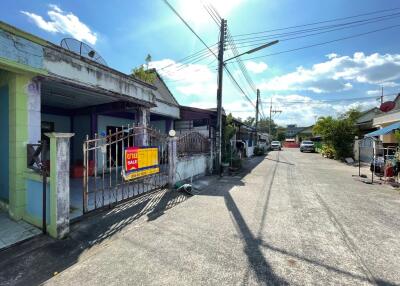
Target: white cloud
<point>63,23</point>
<point>256,67</point>
<point>332,55</point>
<point>374,92</point>
<point>338,74</point>
<point>192,79</point>
<point>303,110</point>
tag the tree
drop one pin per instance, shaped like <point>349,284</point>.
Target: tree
<point>144,73</point>
<point>227,133</point>
<point>338,133</point>
<point>280,136</point>
<point>250,121</point>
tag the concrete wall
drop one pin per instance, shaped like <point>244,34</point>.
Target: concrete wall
<point>61,123</point>
<point>74,68</point>
<point>192,166</point>
<point>28,53</point>
<point>81,129</point>
<point>165,109</point>
<point>159,125</point>
<point>103,121</point>
<point>4,122</point>
<point>22,50</point>
<point>34,201</point>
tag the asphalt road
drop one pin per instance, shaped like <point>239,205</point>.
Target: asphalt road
<point>291,218</point>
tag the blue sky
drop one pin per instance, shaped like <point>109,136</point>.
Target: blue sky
<point>124,32</point>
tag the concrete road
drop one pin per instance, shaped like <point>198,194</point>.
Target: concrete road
<point>291,218</point>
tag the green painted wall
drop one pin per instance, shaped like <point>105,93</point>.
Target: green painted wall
<point>17,139</point>
<point>4,122</point>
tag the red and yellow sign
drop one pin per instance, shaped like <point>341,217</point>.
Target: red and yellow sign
<point>140,162</point>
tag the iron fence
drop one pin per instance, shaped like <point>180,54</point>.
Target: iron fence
<point>193,143</point>
<point>103,160</point>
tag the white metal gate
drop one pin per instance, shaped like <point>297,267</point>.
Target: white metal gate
<point>104,184</point>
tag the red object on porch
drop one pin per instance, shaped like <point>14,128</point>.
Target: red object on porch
<point>291,145</point>
<point>77,170</point>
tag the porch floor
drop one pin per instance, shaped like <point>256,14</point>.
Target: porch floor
<point>12,231</point>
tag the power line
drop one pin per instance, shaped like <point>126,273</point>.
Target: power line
<point>189,57</point>
<point>311,101</point>
<point>190,28</point>
<point>257,41</point>
<point>322,43</point>
<point>319,22</point>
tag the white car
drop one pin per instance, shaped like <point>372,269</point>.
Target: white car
<point>307,146</point>
<point>276,145</point>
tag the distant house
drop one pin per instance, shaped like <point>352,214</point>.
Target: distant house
<point>365,121</point>
<point>163,115</point>
<point>382,125</point>
<point>292,131</point>
<point>245,138</point>
<point>201,120</point>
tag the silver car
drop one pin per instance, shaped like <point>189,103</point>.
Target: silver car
<point>307,146</point>
<point>276,145</point>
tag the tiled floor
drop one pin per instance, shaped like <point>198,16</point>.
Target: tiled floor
<point>12,232</point>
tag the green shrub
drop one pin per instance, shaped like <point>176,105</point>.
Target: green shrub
<point>328,151</point>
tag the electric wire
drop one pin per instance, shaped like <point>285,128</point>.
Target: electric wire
<point>319,22</point>
<point>322,43</point>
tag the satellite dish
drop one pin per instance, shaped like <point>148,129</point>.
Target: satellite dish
<point>387,106</point>
<point>82,49</point>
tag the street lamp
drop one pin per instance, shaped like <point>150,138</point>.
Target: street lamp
<point>254,50</point>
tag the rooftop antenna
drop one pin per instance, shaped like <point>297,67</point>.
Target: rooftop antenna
<point>82,49</point>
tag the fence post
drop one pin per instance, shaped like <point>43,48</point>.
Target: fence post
<point>172,161</point>
<point>59,184</point>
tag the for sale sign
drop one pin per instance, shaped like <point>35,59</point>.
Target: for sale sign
<point>140,162</point>
<point>131,159</point>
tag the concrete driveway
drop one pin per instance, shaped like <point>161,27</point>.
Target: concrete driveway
<point>290,219</point>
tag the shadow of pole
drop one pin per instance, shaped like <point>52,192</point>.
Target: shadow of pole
<point>260,266</point>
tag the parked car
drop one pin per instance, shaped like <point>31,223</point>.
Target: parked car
<point>307,146</point>
<point>276,145</point>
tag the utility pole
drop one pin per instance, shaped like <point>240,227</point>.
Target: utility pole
<point>382,96</point>
<point>218,135</point>
<point>270,116</point>
<point>257,107</point>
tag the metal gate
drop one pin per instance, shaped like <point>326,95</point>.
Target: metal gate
<point>104,180</point>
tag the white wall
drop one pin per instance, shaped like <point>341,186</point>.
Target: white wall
<point>192,166</point>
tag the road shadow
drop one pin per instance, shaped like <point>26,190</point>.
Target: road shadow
<point>34,262</point>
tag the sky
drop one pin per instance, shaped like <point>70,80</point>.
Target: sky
<point>325,79</point>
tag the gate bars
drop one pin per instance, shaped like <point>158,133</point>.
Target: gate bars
<point>103,162</point>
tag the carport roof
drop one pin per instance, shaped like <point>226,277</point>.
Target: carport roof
<point>385,130</point>
<point>70,95</point>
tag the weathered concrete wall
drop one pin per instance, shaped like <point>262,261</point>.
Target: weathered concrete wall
<point>34,116</point>
<point>70,67</point>
<point>165,109</point>
<point>59,184</point>
<point>192,166</point>
<point>22,51</point>
<point>17,49</point>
